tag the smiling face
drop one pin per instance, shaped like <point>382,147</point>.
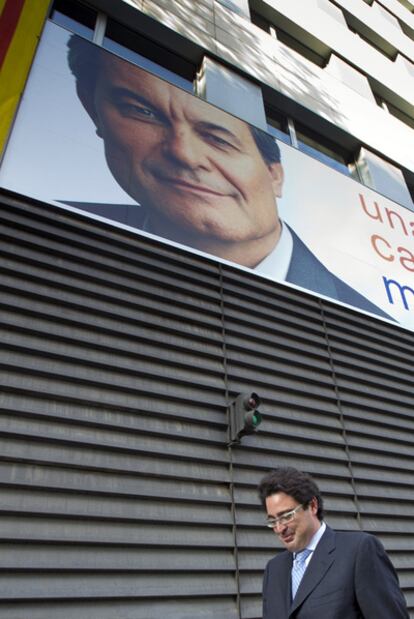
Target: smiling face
<point>296,534</point>
<point>196,169</point>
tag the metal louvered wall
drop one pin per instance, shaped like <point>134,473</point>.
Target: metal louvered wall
<point>119,497</point>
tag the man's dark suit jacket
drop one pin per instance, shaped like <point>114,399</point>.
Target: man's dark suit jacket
<point>349,577</point>
<point>305,269</point>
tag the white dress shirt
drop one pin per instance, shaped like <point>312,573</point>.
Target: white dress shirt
<point>315,541</point>
<point>276,264</point>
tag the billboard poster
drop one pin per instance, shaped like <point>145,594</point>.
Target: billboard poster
<point>97,133</point>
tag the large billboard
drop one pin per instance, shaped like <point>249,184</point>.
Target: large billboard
<point>97,133</point>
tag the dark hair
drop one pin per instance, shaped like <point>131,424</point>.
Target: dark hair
<point>266,144</point>
<point>300,486</point>
<point>84,59</point>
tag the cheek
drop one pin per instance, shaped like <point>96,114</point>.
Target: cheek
<point>125,149</point>
<point>242,174</point>
<point>126,134</point>
<point>119,156</point>
<point>118,165</point>
<point>253,181</point>
<point>119,138</point>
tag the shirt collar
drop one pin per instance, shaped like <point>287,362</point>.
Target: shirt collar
<point>316,538</point>
<point>276,264</point>
<point>314,541</point>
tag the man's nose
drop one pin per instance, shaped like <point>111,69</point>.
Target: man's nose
<point>184,147</point>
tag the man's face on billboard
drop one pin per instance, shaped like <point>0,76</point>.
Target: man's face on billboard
<point>196,169</point>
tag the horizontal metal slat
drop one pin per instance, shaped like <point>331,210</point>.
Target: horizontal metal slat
<point>144,457</point>
<point>86,294</point>
<point>215,511</point>
<point>145,431</point>
<point>95,558</point>
<point>88,365</point>
<point>99,351</point>
<point>207,608</point>
<point>51,586</point>
<point>149,406</point>
<point>80,531</point>
<point>118,319</point>
<point>104,393</point>
<point>199,483</point>
<point>27,248</point>
<point>78,230</point>
<point>107,333</point>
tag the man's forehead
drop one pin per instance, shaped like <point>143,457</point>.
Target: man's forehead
<point>281,500</point>
<point>165,96</point>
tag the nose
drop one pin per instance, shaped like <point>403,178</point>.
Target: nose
<point>185,148</point>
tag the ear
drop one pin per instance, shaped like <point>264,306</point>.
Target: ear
<point>314,505</point>
<point>86,96</point>
<point>277,174</point>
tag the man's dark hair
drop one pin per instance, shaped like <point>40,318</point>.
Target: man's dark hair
<point>84,59</point>
<point>300,486</point>
<point>266,144</point>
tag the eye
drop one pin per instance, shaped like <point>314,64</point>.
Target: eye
<point>139,112</point>
<point>217,141</point>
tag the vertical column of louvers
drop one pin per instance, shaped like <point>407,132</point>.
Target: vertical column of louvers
<point>373,364</point>
<point>276,346</point>
<point>113,468</point>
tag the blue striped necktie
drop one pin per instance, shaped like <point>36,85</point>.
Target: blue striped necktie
<point>298,569</point>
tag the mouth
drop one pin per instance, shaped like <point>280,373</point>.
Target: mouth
<point>288,538</point>
<point>183,185</point>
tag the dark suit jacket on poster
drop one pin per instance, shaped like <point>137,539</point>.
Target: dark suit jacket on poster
<point>349,577</point>
<point>305,269</point>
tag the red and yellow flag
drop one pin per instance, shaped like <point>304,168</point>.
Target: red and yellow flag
<point>21,22</point>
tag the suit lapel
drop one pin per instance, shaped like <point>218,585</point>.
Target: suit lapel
<point>322,559</point>
<point>279,587</point>
<point>306,271</point>
<point>288,584</point>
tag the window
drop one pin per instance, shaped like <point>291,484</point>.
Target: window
<point>298,47</point>
<point>149,55</point>
<point>395,111</point>
<point>75,17</point>
<point>259,21</point>
<point>310,142</point>
<point>277,125</point>
<point>405,118</point>
<point>288,40</point>
<point>381,45</point>
<point>408,5</point>
<point>83,20</point>
<point>322,149</point>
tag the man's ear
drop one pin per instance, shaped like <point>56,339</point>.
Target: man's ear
<point>86,96</point>
<point>314,505</point>
<point>277,174</point>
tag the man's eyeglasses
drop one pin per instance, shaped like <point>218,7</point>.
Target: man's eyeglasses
<point>284,519</point>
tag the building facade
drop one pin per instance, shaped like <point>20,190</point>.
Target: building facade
<point>122,350</point>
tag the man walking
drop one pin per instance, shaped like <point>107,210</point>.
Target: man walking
<point>323,573</point>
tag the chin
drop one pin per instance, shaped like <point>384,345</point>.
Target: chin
<point>291,545</point>
<point>209,231</point>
